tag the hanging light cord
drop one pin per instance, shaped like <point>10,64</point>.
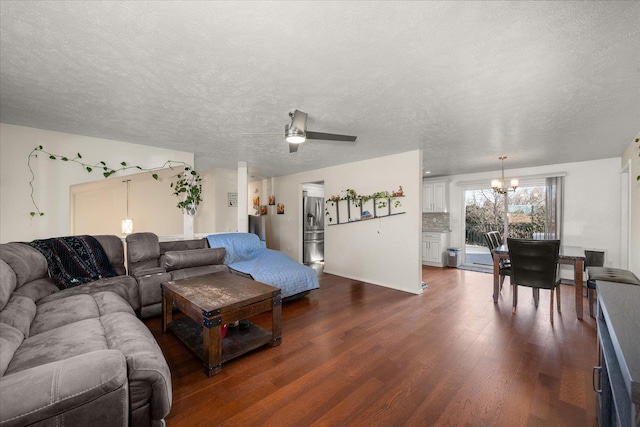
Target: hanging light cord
<point>127,181</point>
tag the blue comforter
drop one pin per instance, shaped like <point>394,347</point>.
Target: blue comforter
<point>247,254</point>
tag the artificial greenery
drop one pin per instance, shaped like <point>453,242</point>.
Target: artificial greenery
<point>188,187</point>
<point>381,198</point>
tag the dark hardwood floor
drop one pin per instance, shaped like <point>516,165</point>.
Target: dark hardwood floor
<point>356,354</point>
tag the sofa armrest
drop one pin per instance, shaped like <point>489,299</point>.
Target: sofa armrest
<point>177,260</point>
<point>88,389</point>
<point>149,287</point>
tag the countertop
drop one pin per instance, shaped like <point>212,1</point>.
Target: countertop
<point>621,310</point>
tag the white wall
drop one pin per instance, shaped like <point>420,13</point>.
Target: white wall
<point>591,204</point>
<point>98,207</point>
<point>53,178</point>
<point>214,213</point>
<point>631,156</point>
<point>384,251</point>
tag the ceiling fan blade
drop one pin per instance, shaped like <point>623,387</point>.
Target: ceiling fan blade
<point>293,147</point>
<point>299,120</point>
<point>330,136</point>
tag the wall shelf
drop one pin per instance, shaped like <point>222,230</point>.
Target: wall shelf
<point>366,219</point>
<point>374,207</point>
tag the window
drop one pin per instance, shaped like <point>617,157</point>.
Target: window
<point>534,211</point>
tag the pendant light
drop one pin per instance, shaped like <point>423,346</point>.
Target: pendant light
<point>127,223</point>
<point>499,186</point>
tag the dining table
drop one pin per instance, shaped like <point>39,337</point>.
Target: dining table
<point>571,255</point>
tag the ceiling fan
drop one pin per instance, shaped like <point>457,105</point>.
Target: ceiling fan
<point>296,133</point>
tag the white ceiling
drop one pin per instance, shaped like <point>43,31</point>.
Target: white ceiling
<point>539,82</point>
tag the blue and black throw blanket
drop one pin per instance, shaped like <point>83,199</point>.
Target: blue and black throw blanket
<point>74,260</point>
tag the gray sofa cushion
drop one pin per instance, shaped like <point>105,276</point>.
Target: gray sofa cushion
<point>27,263</point>
<point>8,283</point>
<point>149,287</point>
<point>84,390</point>
<point>10,340</point>
<point>114,249</point>
<point>177,260</point>
<point>142,247</point>
<point>37,289</point>
<point>59,344</point>
<point>125,286</point>
<point>75,308</point>
<point>19,313</point>
<point>149,375</point>
<point>181,245</point>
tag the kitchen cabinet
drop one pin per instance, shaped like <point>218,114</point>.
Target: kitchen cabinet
<point>435,196</point>
<point>618,373</point>
<point>433,248</point>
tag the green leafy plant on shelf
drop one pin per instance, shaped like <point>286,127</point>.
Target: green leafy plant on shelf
<point>351,196</point>
<point>638,140</point>
<point>187,187</point>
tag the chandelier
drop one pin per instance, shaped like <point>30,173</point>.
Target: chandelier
<point>498,185</point>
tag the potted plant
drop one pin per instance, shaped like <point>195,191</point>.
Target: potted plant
<point>188,188</point>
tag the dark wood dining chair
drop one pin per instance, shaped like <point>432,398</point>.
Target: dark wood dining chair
<point>494,240</point>
<point>534,263</point>
<point>592,258</point>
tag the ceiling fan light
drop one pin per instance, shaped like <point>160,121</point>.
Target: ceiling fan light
<point>295,139</point>
<point>294,136</point>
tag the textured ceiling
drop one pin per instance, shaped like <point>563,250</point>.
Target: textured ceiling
<point>540,82</point>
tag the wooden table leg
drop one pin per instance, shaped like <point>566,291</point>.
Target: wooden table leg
<point>496,277</point>
<point>578,266</point>
<point>167,308</point>
<point>212,345</point>
<point>276,321</point>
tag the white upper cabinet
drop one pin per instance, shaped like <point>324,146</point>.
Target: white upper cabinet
<point>435,196</point>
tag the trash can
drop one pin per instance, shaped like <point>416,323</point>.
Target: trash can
<point>453,257</point>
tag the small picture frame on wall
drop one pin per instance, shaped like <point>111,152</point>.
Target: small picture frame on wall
<point>232,199</point>
<point>272,200</point>
<point>263,210</point>
<point>256,202</point>
<point>280,209</point>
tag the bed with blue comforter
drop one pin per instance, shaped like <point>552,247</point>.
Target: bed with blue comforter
<point>247,254</point>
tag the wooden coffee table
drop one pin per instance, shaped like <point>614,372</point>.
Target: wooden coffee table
<point>217,299</point>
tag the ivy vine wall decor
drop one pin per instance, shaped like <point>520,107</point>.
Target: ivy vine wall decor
<point>187,186</point>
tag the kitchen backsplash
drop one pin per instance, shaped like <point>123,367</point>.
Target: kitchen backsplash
<point>435,221</point>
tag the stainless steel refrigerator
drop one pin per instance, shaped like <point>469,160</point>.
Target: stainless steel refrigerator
<point>313,228</point>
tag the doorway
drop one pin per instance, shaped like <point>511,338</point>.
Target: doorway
<point>484,211</point>
<point>313,223</point>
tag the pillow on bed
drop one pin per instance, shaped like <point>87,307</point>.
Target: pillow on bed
<point>177,260</point>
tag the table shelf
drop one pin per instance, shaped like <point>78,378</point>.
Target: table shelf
<point>236,343</point>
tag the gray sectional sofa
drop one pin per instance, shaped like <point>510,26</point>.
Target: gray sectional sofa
<point>152,263</point>
<point>77,356</point>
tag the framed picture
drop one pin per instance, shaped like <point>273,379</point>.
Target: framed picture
<point>280,209</point>
<point>232,200</point>
<point>272,200</point>
<point>256,202</point>
<point>263,210</point>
